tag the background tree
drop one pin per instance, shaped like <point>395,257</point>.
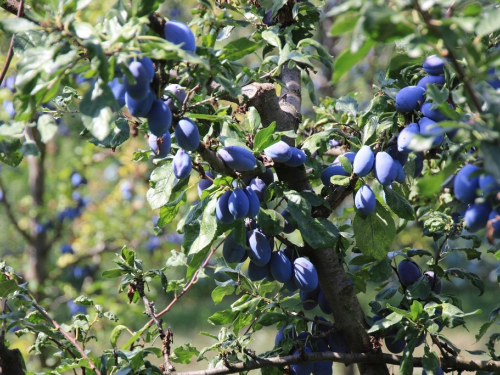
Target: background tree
<point>276,170</point>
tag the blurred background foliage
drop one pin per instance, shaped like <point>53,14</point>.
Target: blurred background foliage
<point>115,213</point>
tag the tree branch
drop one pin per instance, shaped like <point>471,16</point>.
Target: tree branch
<point>454,363</point>
<point>10,53</point>
<point>11,216</point>
<point>67,336</point>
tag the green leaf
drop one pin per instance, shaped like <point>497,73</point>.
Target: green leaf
<point>18,25</point>
<point>47,127</point>
<point>208,228</point>
<point>270,318</point>
<point>221,291</point>
<point>406,367</point>
<point>252,121</point>
<point>271,221</point>
<point>374,233</point>
<point>7,287</point>
<point>112,273</point>
<point>115,334</point>
<point>265,138</point>
<point>340,180</point>
<point>143,8</point>
<point>184,353</point>
<point>465,274</point>
<point>223,317</point>
<point>10,151</point>
<point>399,205</point>
<point>386,293</point>
<point>162,180</point>
<point>348,105</point>
<point>347,59</point>
<point>488,22</point>
<point>430,362</point>
<point>419,289</point>
<point>384,24</point>
<point>238,49</point>
<point>98,108</point>
<point>344,24</point>
<point>119,133</point>
<point>177,198</point>
<point>271,38</point>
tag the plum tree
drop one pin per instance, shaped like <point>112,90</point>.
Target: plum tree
<point>284,138</point>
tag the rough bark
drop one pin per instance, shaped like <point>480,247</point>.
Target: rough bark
<point>347,311</point>
<point>10,363</point>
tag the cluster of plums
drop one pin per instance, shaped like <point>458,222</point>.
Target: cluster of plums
<point>470,180</point>
<point>409,272</point>
<point>309,342</point>
<point>386,165</point>
<point>282,266</point>
<point>412,98</point>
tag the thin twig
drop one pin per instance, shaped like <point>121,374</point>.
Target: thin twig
<point>8,59</point>
<point>11,216</point>
<point>67,336</point>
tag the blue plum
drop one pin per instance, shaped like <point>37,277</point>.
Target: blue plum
<point>365,200</point>
<point>280,152</point>
<point>493,79</point>
<point>322,368</point>
<point>397,155</point>
<point>67,249</point>
<point>284,332</point>
<point>406,136</point>
<point>488,184</point>
<point>205,183</point>
<point>140,89</point>
<point>232,251</point>
<point>187,135</point>
<point>329,172</point>
<point>430,128</point>
<point>348,155</point>
<point>253,202</point>
<point>393,345</point>
<point>238,204</point>
<point>419,165</point>
<point>148,65</point>
<point>118,89</point>
<point>260,249</point>
<point>400,174</point>
<point>363,161</point>
<point>159,118</point>
<point>222,210</point>
<point>408,272</point>
<point>309,299</point>
<point>494,221</point>
<point>179,33</point>
<point>182,164</point>
<point>297,159</point>
<point>476,216</point>
<point>288,228</point>
<point>304,274</point>
<point>259,187</point>
<point>302,368</point>
<point>434,65</point>
<point>385,169</point>
<point>429,80</point>
<point>140,108</point>
<point>237,158</point>
<point>267,176</point>
<point>281,267</point>
<point>435,285</point>
<point>433,114</point>
<point>338,343</point>
<point>160,145</point>
<point>466,183</point>
<point>290,285</point>
<point>256,273</point>
<point>409,98</point>
<point>267,19</point>
<point>179,92</point>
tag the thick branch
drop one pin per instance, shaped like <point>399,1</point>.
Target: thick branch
<point>454,363</point>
